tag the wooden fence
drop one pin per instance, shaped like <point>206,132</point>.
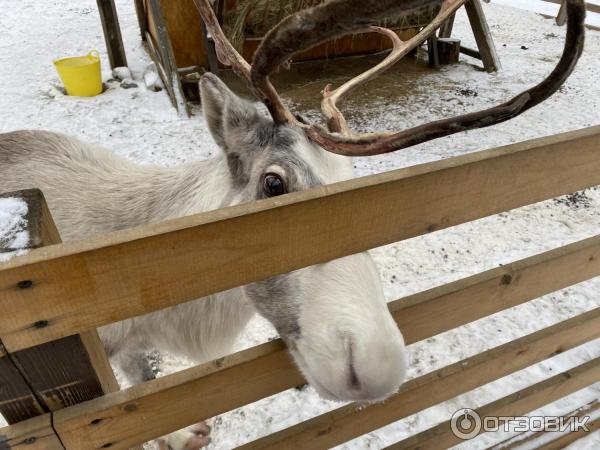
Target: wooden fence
<point>70,289</point>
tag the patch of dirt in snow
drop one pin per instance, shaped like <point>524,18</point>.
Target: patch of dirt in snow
<point>141,125</point>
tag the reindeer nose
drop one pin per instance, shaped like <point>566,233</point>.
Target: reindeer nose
<point>366,380</point>
<point>353,381</point>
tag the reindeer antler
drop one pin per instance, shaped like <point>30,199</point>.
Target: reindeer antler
<point>337,18</point>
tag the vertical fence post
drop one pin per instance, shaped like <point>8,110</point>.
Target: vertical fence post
<point>61,373</point>
<point>112,33</point>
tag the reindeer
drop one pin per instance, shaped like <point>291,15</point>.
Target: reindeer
<point>333,317</point>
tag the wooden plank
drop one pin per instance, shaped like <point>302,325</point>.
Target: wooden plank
<point>569,438</point>
<point>589,6</point>
<point>112,33</point>
<point>167,56</point>
<point>519,441</point>
<point>211,52</point>
<point>358,44</point>
<point>32,434</point>
<point>183,25</point>
<point>146,411</point>
<point>17,400</point>
<point>517,404</point>
<point>348,422</point>
<point>447,27</point>
<point>561,17</point>
<point>81,285</point>
<point>155,56</point>
<point>483,36</point>
<point>59,373</point>
<point>142,16</point>
<point>470,52</point>
<point>432,50</point>
<point>443,308</point>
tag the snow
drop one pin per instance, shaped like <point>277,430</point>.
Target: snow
<point>141,125</point>
<point>13,231</point>
<point>548,9</point>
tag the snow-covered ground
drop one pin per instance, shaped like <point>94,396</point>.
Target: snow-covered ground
<point>548,9</point>
<point>13,228</point>
<point>141,125</point>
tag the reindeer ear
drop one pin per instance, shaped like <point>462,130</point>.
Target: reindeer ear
<point>230,118</point>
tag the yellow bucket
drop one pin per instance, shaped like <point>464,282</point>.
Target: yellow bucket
<point>81,74</point>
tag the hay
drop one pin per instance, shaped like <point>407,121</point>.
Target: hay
<point>254,18</point>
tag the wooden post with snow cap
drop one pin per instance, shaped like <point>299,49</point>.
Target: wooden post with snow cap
<point>57,374</point>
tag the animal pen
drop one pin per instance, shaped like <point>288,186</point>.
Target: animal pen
<point>182,46</point>
<point>58,390</point>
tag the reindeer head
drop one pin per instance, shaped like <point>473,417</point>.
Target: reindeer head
<point>333,316</point>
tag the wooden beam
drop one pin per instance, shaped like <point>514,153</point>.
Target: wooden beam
<point>147,411</point>
<point>32,434</point>
<point>483,36</point>
<point>561,17</point>
<point>589,6</point>
<point>156,58</point>
<point>529,440</point>
<point>569,438</point>
<point>59,373</point>
<point>351,421</point>
<point>443,308</point>
<point>168,56</point>
<point>432,51</point>
<point>112,33</point>
<point>447,27</point>
<point>517,404</point>
<point>81,285</point>
<point>17,399</point>
<point>142,16</point>
<point>470,52</point>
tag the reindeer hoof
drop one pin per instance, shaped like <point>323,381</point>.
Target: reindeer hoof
<point>193,437</point>
<point>197,442</point>
<point>200,428</point>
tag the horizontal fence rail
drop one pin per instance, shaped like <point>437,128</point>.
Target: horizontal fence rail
<point>514,405</point>
<point>32,434</point>
<point>79,286</point>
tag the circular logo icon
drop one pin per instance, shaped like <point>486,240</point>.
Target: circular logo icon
<point>465,424</point>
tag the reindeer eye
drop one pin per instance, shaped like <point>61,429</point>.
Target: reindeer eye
<point>273,185</point>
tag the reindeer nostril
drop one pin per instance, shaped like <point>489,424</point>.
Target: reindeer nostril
<point>353,380</point>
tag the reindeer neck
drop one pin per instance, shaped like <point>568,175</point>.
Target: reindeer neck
<point>192,188</point>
